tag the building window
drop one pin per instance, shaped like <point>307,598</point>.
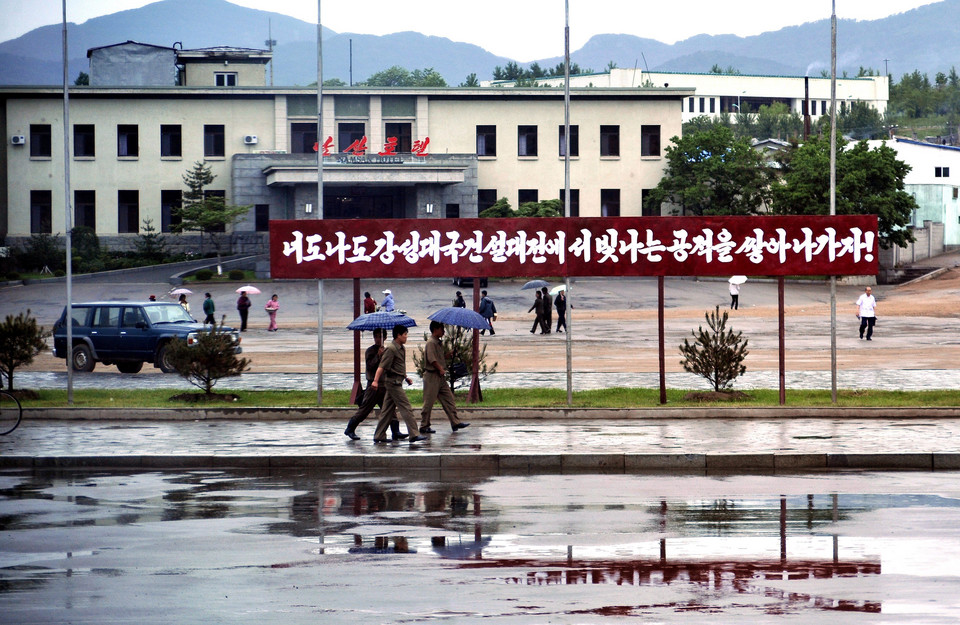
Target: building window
<point>171,143</point>
<point>225,79</point>
<point>219,197</point>
<point>452,211</point>
<point>574,141</point>
<point>128,211</point>
<point>170,201</point>
<point>647,211</point>
<point>41,144</point>
<point>526,140</point>
<point>713,105</point>
<point>85,209</point>
<point>574,201</point>
<point>823,108</point>
<point>956,193</point>
<point>650,141</point>
<point>486,140</point>
<point>399,137</point>
<point>609,140</point>
<point>485,199</point>
<point>213,140</point>
<point>813,107</point>
<point>262,217</point>
<point>691,104</point>
<point>702,109</point>
<point>83,141</point>
<point>941,172</point>
<point>128,140</point>
<point>41,211</point>
<point>303,138</point>
<point>349,134</point>
<point>609,202</point>
<point>527,195</point>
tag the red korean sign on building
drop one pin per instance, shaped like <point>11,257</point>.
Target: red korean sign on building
<point>577,246</point>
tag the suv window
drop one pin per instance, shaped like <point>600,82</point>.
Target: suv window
<point>131,317</point>
<point>79,316</point>
<point>167,314</point>
<point>107,317</point>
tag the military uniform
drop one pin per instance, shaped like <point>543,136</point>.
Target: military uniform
<point>371,396</point>
<point>393,361</point>
<point>435,386</point>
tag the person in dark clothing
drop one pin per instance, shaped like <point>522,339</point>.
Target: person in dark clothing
<point>487,310</point>
<point>369,304</point>
<point>547,311</point>
<point>209,309</point>
<point>243,307</point>
<point>561,304</point>
<point>458,301</point>
<point>538,307</point>
<point>372,396</point>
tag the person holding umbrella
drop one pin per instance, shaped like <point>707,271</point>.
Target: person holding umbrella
<point>372,396</point>
<point>393,371</point>
<point>243,307</point>
<point>538,307</point>
<point>547,311</point>
<point>735,282</point>
<point>435,385</point>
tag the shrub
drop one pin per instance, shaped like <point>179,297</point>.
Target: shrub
<point>716,354</point>
<point>206,361</point>
<point>236,274</point>
<point>20,340</point>
<point>203,275</point>
<point>59,273</point>
<point>13,275</point>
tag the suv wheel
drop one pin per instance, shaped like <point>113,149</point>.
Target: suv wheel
<point>83,359</point>
<point>130,367</point>
<point>163,361</point>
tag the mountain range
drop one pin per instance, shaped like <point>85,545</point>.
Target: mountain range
<point>925,39</point>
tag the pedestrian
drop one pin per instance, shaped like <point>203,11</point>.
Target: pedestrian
<point>547,312</point>
<point>487,310</point>
<point>208,309</point>
<point>184,304</point>
<point>435,385</point>
<point>867,313</point>
<point>372,396</point>
<point>243,307</point>
<point>272,306</point>
<point>734,295</point>
<point>392,370</point>
<point>369,304</point>
<point>458,301</point>
<point>387,303</point>
<point>561,304</point>
<point>538,308</point>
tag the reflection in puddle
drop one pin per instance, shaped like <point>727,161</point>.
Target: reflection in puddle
<point>699,545</point>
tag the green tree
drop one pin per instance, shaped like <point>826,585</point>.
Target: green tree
<point>41,251</point>
<point>712,173</point>
<point>703,123</point>
<point>471,81</point>
<point>333,82</point>
<point>500,208</point>
<point>861,121</point>
<point>777,122</point>
<point>546,208</point>
<point>209,359</point>
<point>457,345</point>
<point>21,339</point>
<point>716,354</point>
<point>85,248</point>
<point>206,213</point>
<point>869,182</point>
<point>397,76</point>
<point>83,78</point>
<point>150,243</point>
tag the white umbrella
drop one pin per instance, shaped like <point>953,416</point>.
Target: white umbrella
<point>180,291</point>
<point>737,279</point>
<point>249,288</point>
<point>557,289</point>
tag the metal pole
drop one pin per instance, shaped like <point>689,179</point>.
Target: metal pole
<point>357,385</point>
<point>781,341</point>
<point>833,196</point>
<point>661,353</point>
<point>319,200</point>
<point>566,189</point>
<point>67,218</point>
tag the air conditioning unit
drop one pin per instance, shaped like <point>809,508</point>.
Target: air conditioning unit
<point>250,139</point>
<point>18,140</point>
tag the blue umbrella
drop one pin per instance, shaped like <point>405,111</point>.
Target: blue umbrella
<point>463,317</point>
<point>535,284</point>
<point>381,319</point>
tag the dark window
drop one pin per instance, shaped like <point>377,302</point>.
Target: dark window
<point>485,199</point>
<point>85,209</point>
<point>956,193</point>
<point>213,140</point>
<point>823,108</point>
<point>348,134</point>
<point>713,105</point>
<point>813,107</point>
<point>453,211</point>
<point>218,197</point>
<point>486,140</point>
<point>128,211</point>
<point>226,79</point>
<point>128,140</point>
<point>650,141</point>
<point>526,140</point>
<point>84,137</point>
<point>609,140</point>
<point>701,105</point>
<point>574,141</point>
<point>41,144</point>
<point>303,138</point>
<point>107,317</point>
<point>403,133</point>
<point>527,195</point>
<point>610,202</point>
<point>171,143</point>
<point>574,201</point>
<point>41,211</point>
<point>691,104</point>
<point>262,217</point>
<point>645,210</point>
<point>170,200</point>
<point>941,172</point>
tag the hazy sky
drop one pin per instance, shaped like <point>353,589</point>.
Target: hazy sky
<point>523,30</point>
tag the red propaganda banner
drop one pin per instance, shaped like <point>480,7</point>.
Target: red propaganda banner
<point>576,246</point>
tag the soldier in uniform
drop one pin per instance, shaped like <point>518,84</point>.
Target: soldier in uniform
<point>392,372</point>
<point>435,384</point>
<point>371,396</point>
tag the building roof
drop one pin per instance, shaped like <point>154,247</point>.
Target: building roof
<point>127,43</point>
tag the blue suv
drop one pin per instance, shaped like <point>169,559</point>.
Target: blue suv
<point>127,334</point>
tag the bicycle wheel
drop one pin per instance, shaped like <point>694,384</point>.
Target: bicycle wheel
<point>10,413</point>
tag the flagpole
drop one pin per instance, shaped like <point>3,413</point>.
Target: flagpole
<point>67,221</point>
<point>319,200</point>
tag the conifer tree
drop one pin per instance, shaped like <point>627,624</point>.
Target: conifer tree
<point>716,354</point>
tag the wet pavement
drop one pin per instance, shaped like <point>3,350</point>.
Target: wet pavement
<point>239,546</point>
